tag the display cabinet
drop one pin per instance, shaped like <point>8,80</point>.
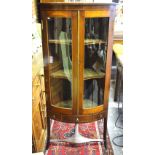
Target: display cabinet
<point>77,50</point>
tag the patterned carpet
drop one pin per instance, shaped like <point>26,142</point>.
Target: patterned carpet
<point>60,130</point>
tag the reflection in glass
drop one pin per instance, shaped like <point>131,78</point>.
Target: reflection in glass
<point>60,50</point>
<point>96,34</point>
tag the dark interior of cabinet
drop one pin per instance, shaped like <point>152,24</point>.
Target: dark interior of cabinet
<point>95,57</point>
<point>57,25</point>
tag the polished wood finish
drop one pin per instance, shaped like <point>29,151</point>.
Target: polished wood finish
<point>74,62</point>
<point>97,13</point>
<point>47,1</point>
<point>81,21</point>
<point>77,12</point>
<point>109,60</point>
<point>76,111</point>
<point>77,6</point>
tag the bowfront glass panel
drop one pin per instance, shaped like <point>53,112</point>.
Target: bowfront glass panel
<point>95,52</point>
<point>60,61</point>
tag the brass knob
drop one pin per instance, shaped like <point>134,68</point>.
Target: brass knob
<point>77,120</point>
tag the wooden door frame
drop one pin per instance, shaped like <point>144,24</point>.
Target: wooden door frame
<point>92,14</point>
<point>73,16</point>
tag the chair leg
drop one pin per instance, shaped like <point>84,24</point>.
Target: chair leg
<point>105,133</point>
<point>117,86</point>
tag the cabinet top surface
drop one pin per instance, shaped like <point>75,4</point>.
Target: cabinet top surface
<point>77,3</point>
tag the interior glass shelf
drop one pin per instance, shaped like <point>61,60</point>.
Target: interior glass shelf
<point>93,41</point>
<point>60,41</point>
<point>86,41</point>
<point>88,74</point>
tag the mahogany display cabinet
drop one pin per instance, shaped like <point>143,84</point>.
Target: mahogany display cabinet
<point>77,50</point>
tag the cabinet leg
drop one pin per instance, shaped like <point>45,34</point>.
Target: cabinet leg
<point>105,133</point>
<point>48,133</point>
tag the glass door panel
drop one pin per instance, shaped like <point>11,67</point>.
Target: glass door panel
<point>60,58</point>
<point>96,37</point>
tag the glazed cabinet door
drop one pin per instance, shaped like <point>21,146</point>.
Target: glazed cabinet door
<point>60,60</point>
<point>94,30</point>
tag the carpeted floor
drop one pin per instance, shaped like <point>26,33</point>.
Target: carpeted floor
<point>60,130</point>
